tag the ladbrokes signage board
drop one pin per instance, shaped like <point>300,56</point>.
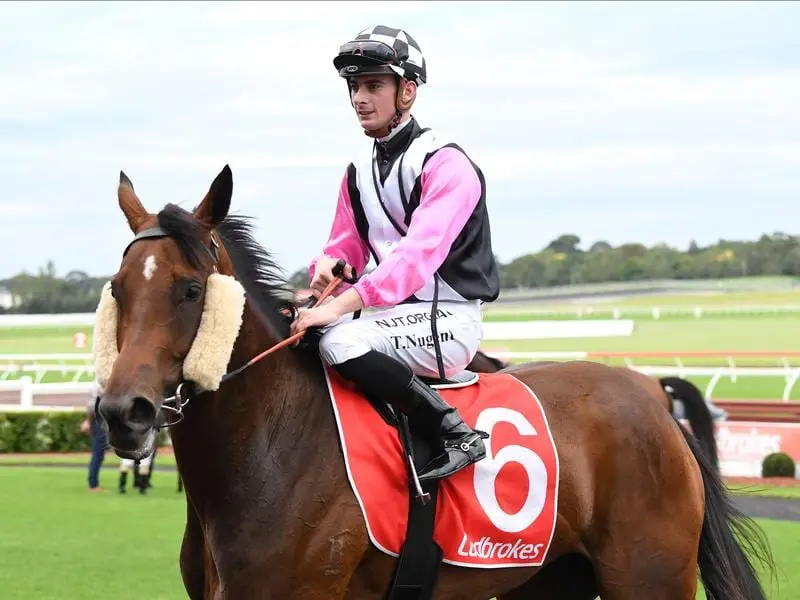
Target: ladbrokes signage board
<point>742,446</point>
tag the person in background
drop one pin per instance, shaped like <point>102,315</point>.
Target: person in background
<point>99,441</point>
<point>141,473</point>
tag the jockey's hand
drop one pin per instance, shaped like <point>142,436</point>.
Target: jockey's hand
<point>323,273</point>
<point>318,316</point>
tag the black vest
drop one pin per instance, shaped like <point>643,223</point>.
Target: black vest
<point>383,203</point>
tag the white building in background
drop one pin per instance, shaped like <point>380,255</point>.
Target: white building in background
<point>7,299</point>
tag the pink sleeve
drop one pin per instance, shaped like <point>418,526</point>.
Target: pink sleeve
<point>451,190</point>
<point>344,240</point>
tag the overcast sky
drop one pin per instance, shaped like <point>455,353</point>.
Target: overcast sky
<point>651,122</point>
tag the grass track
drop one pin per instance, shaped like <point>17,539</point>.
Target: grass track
<point>59,542</point>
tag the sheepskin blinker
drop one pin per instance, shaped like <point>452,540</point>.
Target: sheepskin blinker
<point>208,358</point>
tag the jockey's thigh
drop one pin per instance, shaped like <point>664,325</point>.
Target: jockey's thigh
<point>405,332</point>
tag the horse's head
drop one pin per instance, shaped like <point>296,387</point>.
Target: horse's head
<point>170,314</point>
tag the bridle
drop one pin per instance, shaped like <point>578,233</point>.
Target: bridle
<point>186,390</point>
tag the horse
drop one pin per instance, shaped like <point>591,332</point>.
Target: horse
<point>697,412</point>
<point>196,321</point>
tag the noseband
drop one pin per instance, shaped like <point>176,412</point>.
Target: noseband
<point>186,390</point>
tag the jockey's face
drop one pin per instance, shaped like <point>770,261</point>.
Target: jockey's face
<point>373,97</point>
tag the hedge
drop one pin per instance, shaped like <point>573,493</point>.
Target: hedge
<point>778,464</point>
<point>32,432</point>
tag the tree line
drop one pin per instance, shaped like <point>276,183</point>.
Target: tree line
<point>560,262</point>
<point>563,261</point>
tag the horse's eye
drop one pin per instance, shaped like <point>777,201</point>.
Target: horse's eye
<point>193,291</point>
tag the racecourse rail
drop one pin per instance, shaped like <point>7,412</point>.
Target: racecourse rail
<point>510,305</point>
<point>21,375</point>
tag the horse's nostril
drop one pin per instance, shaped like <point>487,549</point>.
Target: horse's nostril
<point>142,411</point>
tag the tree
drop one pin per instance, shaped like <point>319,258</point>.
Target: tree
<point>567,244</point>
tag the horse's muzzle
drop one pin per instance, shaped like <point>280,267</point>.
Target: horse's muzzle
<point>130,422</point>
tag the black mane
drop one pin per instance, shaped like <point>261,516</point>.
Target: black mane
<point>261,277</point>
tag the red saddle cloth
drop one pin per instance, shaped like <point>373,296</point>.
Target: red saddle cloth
<point>498,512</point>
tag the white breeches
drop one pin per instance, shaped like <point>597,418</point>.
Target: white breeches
<point>404,332</point>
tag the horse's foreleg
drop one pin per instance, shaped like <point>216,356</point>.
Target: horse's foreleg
<point>197,566</point>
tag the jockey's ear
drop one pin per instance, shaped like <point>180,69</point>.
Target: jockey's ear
<point>214,207</point>
<point>130,204</point>
<point>406,94</point>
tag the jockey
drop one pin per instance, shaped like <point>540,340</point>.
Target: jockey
<point>415,202</point>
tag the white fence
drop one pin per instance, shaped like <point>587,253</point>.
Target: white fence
<point>582,308</point>
<point>55,320</point>
<point>585,310</point>
<point>27,390</point>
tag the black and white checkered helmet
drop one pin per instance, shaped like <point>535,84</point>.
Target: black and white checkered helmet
<point>382,49</point>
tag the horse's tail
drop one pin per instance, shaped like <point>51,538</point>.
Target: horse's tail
<point>725,568</point>
<point>697,413</point>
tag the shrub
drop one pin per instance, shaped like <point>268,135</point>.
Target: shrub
<point>778,464</point>
<point>32,432</point>
<point>6,434</point>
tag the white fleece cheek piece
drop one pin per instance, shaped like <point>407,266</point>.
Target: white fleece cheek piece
<point>211,350</point>
<point>104,338</point>
<point>208,358</point>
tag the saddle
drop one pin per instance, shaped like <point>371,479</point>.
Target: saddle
<point>418,564</point>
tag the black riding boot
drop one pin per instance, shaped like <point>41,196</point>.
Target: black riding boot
<point>458,444</point>
<point>123,479</point>
<point>384,378</point>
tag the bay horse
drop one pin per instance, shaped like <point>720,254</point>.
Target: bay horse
<point>270,511</point>
<point>697,412</point>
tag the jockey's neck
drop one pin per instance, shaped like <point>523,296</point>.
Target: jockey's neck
<point>403,124</point>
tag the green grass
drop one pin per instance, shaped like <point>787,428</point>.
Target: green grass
<point>59,542</point>
<point>111,460</point>
<point>752,334</point>
<point>784,541</point>
<point>640,306</point>
<point>770,491</point>
<point>165,458</point>
<point>44,339</point>
<point>709,299</point>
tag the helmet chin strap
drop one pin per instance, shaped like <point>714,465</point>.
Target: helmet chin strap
<point>386,129</point>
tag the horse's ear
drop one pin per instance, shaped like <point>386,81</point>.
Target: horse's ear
<point>214,207</point>
<point>130,204</point>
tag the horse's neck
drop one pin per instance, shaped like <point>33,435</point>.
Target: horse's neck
<point>259,432</point>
